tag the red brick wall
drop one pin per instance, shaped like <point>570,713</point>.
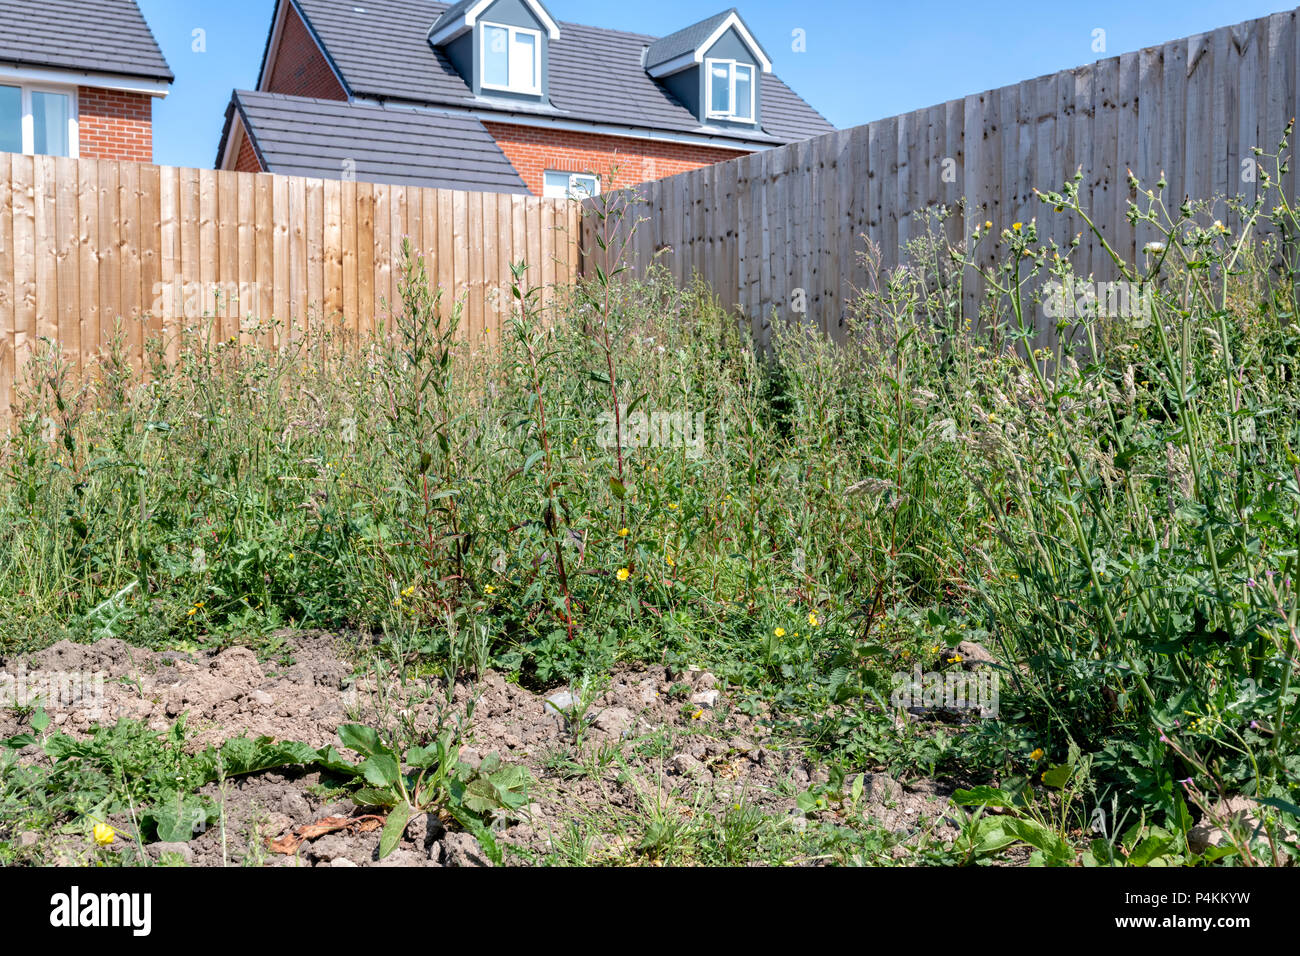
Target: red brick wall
<point>533,151</point>
<point>300,67</point>
<point>115,125</point>
<point>246,161</point>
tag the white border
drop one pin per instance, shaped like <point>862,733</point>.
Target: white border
<point>11,75</point>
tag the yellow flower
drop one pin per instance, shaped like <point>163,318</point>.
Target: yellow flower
<point>672,506</point>
<point>1037,754</point>
<point>104,834</point>
<point>812,619</point>
<point>697,715</point>
<point>624,574</point>
<point>409,591</point>
<point>988,224</point>
<point>668,560</point>
<point>1017,226</point>
<point>490,589</point>
<point>622,532</point>
<point>780,632</point>
<point>955,659</point>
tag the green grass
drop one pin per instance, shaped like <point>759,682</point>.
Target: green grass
<point>1117,517</point>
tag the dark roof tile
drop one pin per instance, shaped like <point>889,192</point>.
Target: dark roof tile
<point>94,36</point>
<point>684,41</point>
<point>299,136</point>
<point>381,48</point>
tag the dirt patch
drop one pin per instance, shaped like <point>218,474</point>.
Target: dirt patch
<point>647,742</point>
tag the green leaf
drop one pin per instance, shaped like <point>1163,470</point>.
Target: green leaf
<point>373,797</point>
<point>533,459</point>
<point>330,759</point>
<point>1058,852</point>
<point>988,836</point>
<point>364,740</point>
<point>381,770</point>
<point>394,828</point>
<point>1058,776</point>
<point>481,833</point>
<point>422,758</point>
<point>480,796</point>
<point>243,756</point>
<point>982,797</point>
<point>1151,849</point>
<point>177,819</point>
<point>1281,804</point>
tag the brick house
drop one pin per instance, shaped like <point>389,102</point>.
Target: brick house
<point>78,78</point>
<point>502,96</point>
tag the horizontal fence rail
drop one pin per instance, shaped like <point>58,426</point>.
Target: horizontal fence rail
<point>86,245</point>
<point>781,232</point>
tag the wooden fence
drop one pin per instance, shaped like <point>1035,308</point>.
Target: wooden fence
<point>764,226</point>
<point>84,243</point>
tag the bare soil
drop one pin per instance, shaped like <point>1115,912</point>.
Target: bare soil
<point>671,741</point>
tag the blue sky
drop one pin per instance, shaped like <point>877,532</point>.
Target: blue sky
<point>863,60</point>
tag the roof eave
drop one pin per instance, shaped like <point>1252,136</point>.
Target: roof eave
<point>152,84</point>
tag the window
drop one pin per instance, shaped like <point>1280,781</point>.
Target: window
<point>37,121</point>
<point>730,93</point>
<point>571,185</point>
<point>512,59</point>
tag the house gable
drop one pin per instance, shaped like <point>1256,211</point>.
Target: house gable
<point>295,62</point>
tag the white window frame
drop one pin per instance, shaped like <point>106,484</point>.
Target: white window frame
<point>730,114</point>
<point>511,32</point>
<point>569,191</point>
<point>29,117</point>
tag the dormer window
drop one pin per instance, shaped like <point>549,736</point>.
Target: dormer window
<point>714,68</point>
<point>511,58</point>
<point>731,90</point>
<point>500,47</point>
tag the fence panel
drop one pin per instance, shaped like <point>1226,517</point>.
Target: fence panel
<point>1190,110</point>
<point>86,245</point>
